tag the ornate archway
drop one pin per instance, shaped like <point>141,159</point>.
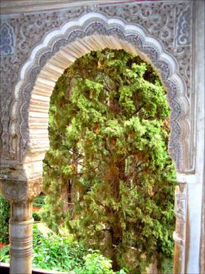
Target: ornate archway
<point>28,134</point>
<point>61,47</point>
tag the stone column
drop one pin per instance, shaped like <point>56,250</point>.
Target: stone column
<point>180,228</point>
<point>20,194</point>
<point>20,235</point>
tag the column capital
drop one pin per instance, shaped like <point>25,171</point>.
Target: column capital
<point>15,190</point>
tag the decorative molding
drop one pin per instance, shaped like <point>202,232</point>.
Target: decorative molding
<point>14,6</point>
<point>184,28</point>
<point>88,25</point>
<point>22,6</point>
<point>43,43</point>
<point>16,191</point>
<point>7,39</point>
<point>158,19</point>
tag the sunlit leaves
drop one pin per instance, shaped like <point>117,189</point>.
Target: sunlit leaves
<point>109,135</point>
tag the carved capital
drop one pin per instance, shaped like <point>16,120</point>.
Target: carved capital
<point>15,190</point>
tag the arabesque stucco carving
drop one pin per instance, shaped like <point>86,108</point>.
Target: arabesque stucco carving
<point>37,46</point>
<point>168,23</point>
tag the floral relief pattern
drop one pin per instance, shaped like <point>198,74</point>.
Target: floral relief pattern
<point>7,39</point>
<point>184,27</point>
<point>168,22</point>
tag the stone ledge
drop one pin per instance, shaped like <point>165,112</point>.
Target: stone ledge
<point>21,6</point>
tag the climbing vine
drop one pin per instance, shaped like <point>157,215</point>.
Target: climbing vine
<point>108,175</point>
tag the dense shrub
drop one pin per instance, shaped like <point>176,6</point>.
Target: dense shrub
<point>4,220</point>
<point>55,253</point>
<point>109,129</point>
<point>37,205</point>
<point>39,200</point>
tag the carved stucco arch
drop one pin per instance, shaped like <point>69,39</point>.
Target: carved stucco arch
<point>59,49</point>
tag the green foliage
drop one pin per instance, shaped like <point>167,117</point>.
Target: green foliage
<point>4,254</point>
<point>56,253</point>
<point>36,216</point>
<point>167,265</point>
<point>39,201</point>
<point>95,263</point>
<point>109,133</point>
<point>4,220</point>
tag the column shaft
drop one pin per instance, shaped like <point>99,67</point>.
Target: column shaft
<point>20,230</point>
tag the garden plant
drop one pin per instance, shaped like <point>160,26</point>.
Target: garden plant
<point>108,175</point>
